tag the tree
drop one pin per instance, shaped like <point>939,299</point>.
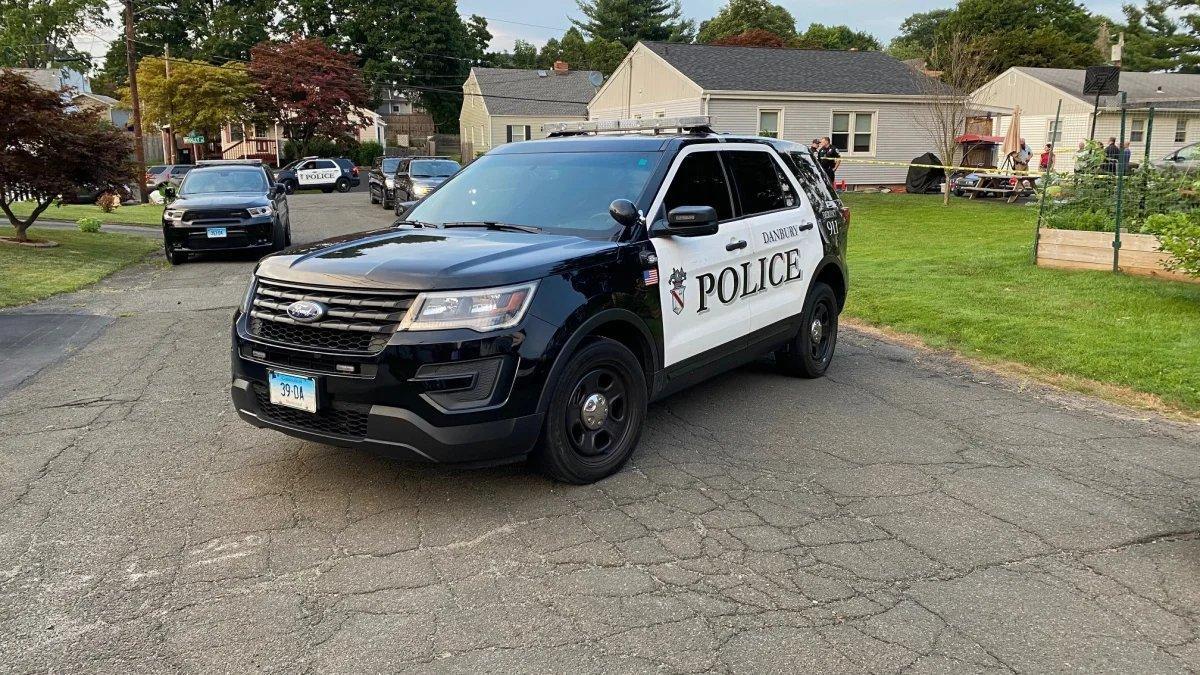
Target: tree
<point>38,34</point>
<point>741,16</point>
<point>627,21</point>
<point>917,35</point>
<point>1156,40</point>
<point>820,36</point>
<point>582,54</point>
<point>1189,11</point>
<point>1042,33</point>
<point>198,96</point>
<point>755,37</point>
<point>48,148</point>
<point>965,68</point>
<point>524,55</point>
<point>309,88</point>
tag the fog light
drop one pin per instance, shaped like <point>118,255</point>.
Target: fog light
<point>346,368</point>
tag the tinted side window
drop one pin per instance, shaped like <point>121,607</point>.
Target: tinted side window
<point>814,181</point>
<point>700,181</point>
<point>326,164</point>
<point>760,181</point>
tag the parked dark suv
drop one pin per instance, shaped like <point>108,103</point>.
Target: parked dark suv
<point>416,177</point>
<point>381,181</point>
<point>225,206</point>
<point>537,301</point>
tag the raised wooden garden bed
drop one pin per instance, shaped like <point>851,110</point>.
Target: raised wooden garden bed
<point>1082,250</point>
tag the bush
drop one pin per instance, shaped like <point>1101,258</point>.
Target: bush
<point>1179,235</point>
<point>108,202</point>
<point>88,224</point>
<point>1078,219</point>
<point>366,153</point>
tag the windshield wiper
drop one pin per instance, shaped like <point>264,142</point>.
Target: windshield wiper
<point>493,225</point>
<point>414,223</point>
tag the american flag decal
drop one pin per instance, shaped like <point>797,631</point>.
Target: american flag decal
<point>650,277</point>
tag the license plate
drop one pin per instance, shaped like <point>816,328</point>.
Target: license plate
<point>216,232</point>
<point>293,391</point>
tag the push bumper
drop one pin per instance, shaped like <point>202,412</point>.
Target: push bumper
<point>192,237</point>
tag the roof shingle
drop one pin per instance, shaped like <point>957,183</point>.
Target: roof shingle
<point>1141,88</point>
<point>716,67</point>
<point>510,91</point>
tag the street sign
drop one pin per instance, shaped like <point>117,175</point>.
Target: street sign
<point>196,139</point>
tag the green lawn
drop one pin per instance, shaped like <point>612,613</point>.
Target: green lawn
<point>960,277</point>
<point>30,274</point>
<point>139,214</point>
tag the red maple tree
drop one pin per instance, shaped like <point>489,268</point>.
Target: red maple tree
<point>309,88</point>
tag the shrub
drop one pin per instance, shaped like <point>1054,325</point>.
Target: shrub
<point>366,153</point>
<point>1080,219</point>
<point>1179,235</point>
<point>88,224</point>
<point>108,202</point>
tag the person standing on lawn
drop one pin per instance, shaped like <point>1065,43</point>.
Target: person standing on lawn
<point>1112,154</point>
<point>830,159</point>
<point>1046,162</point>
<point>1021,157</point>
<point>1126,153</point>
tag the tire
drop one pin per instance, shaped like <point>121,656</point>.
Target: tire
<point>175,257</point>
<point>387,204</point>
<point>290,187</point>
<point>374,199</point>
<point>342,185</point>
<point>579,446</point>
<point>811,351</point>
<point>280,237</point>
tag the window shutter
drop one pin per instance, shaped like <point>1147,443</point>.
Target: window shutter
<point>528,132</point>
<point>508,128</point>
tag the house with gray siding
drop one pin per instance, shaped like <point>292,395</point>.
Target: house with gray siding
<point>866,102</point>
<point>1175,98</point>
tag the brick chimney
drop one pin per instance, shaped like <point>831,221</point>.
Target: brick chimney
<point>561,68</point>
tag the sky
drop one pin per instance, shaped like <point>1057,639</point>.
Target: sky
<point>539,20</point>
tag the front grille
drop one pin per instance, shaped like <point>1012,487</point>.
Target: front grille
<point>200,241</point>
<point>336,421</point>
<point>355,321</point>
<point>215,214</point>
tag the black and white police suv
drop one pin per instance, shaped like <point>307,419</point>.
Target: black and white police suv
<point>319,173</point>
<point>538,300</point>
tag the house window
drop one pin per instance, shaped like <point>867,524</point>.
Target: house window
<point>660,113</point>
<point>1181,130</point>
<point>853,132</point>
<point>236,132</point>
<point>768,123</point>
<point>518,132</point>
<point>395,109</point>
<point>1137,130</point>
<point>1054,134</point>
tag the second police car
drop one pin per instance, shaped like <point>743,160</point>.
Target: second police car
<point>321,173</point>
<point>535,303</point>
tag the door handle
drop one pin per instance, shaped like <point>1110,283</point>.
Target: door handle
<point>735,245</point>
<point>806,226</point>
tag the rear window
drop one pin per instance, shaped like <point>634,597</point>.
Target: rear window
<point>760,182</point>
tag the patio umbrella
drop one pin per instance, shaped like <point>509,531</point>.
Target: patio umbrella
<point>1012,140</point>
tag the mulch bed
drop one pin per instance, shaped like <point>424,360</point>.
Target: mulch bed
<point>31,243</point>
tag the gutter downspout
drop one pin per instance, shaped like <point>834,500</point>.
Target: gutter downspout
<point>705,100</point>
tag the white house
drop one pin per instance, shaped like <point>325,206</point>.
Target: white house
<point>1174,97</point>
<point>502,105</point>
<point>866,102</point>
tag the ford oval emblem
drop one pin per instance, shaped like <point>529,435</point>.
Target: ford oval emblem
<point>306,311</point>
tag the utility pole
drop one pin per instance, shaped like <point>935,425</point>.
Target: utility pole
<point>139,152</point>
<point>170,112</point>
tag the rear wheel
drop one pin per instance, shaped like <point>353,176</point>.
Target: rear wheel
<point>811,351</point>
<point>290,187</point>
<point>342,185</point>
<point>596,412</point>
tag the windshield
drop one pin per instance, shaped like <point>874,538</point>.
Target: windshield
<point>390,164</point>
<point>228,179</point>
<point>559,192</point>
<point>156,169</point>
<point>433,168</point>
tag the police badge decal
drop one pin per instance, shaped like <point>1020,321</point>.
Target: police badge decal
<point>678,276</point>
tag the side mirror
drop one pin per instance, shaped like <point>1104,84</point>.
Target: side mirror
<point>280,188</point>
<point>169,192</point>
<point>624,212</point>
<point>687,221</point>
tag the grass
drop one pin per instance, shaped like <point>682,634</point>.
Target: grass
<point>960,277</point>
<point>139,214</point>
<point>80,259</point>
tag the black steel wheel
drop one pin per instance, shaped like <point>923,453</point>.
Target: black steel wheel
<point>811,351</point>
<point>342,185</point>
<point>596,412</point>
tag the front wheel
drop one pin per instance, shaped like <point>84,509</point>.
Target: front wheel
<point>597,408</point>
<point>290,187</point>
<point>175,257</point>
<point>811,351</point>
<point>280,237</point>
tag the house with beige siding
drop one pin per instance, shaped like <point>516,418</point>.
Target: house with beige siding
<point>866,102</point>
<point>1174,97</point>
<point>503,105</point>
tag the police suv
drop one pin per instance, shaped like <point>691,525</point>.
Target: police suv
<point>320,173</point>
<point>533,304</point>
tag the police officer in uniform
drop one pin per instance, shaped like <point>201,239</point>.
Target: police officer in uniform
<point>830,159</point>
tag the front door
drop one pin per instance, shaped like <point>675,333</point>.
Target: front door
<point>317,172</point>
<point>699,277</point>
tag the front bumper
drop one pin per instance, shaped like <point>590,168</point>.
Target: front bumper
<point>396,403</point>
<point>244,234</point>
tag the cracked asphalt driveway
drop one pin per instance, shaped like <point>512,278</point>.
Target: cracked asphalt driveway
<point>903,514</point>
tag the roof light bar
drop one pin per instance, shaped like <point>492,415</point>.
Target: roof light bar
<point>655,124</point>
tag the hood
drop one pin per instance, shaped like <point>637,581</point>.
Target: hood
<point>222,200</point>
<point>433,259</point>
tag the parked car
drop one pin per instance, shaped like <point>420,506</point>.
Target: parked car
<point>226,206</point>
<point>323,173</point>
<point>348,164</point>
<point>381,181</point>
<point>162,175</point>
<point>1186,158</point>
<point>536,302</point>
<point>416,177</point>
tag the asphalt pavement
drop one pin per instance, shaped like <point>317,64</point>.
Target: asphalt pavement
<point>905,513</point>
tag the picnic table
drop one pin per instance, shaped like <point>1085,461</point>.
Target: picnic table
<point>1011,186</point>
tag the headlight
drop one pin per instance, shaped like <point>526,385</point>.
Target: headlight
<point>249,296</point>
<point>389,182</point>
<point>480,310</point>
<point>257,211</point>
<point>173,214</point>
<point>421,190</point>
